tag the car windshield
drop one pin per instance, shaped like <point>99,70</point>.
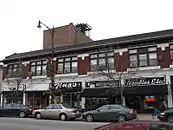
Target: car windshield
<point>67,106</point>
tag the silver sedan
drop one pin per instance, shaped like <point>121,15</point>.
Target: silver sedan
<point>57,111</point>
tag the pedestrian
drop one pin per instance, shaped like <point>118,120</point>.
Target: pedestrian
<point>155,112</point>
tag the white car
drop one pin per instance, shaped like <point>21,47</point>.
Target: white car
<point>57,111</point>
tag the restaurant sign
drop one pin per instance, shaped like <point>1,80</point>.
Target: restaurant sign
<point>68,85</point>
<point>145,81</point>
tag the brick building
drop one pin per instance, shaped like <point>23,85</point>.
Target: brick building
<point>149,56</point>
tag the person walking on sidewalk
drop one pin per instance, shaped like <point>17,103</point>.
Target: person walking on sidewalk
<point>155,112</point>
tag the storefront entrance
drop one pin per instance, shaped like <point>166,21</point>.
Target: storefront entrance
<point>71,93</point>
<point>146,103</point>
<point>143,94</point>
<point>37,100</point>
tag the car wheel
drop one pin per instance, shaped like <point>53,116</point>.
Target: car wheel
<point>63,117</point>
<point>89,118</point>
<point>121,118</point>
<point>22,114</point>
<point>170,118</point>
<point>38,115</point>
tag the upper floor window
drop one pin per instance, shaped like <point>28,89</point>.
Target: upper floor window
<point>38,67</point>
<point>171,53</point>
<point>142,57</point>
<point>102,61</point>
<point>67,65</point>
<point>14,70</point>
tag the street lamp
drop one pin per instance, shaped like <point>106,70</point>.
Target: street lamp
<point>51,31</point>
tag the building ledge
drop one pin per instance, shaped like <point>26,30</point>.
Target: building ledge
<point>170,66</point>
<point>66,75</point>
<point>99,72</point>
<point>144,68</point>
<point>39,77</point>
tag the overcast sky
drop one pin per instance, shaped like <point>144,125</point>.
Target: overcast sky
<point>108,18</point>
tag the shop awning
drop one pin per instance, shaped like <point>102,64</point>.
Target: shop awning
<point>146,90</point>
<point>99,92</point>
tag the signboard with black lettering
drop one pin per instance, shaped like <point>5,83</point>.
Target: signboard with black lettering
<point>143,81</point>
<point>69,86</point>
<point>95,84</point>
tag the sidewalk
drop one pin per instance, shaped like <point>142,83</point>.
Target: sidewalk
<point>145,117</point>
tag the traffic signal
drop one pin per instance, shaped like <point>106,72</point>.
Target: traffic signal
<point>50,67</point>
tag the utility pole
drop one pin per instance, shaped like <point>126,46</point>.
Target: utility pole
<point>50,61</point>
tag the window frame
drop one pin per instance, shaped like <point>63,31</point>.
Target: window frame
<point>144,50</point>
<point>97,57</point>
<point>13,66</point>
<point>35,65</point>
<point>66,60</point>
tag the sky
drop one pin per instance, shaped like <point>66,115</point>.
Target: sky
<point>108,18</point>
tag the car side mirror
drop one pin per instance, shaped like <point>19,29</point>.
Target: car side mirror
<point>98,110</point>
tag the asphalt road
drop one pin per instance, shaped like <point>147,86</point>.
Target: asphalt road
<point>34,124</point>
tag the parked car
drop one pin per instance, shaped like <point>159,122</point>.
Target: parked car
<point>13,109</point>
<point>166,115</point>
<point>138,125</point>
<point>110,113</point>
<point>57,111</point>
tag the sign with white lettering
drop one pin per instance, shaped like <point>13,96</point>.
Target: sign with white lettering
<point>95,84</point>
<point>68,85</point>
<point>145,81</point>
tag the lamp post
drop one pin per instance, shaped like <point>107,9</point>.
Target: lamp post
<point>51,31</point>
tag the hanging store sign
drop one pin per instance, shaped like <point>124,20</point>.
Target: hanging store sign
<point>145,81</point>
<point>95,84</point>
<point>68,85</point>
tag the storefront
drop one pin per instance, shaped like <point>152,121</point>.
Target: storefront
<point>145,93</point>
<point>12,97</point>
<point>36,99</point>
<point>98,93</point>
<point>71,93</point>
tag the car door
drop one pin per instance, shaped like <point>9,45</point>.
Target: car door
<point>6,110</point>
<point>15,109</point>
<point>102,113</point>
<point>56,111</point>
<point>114,111</point>
<point>47,111</point>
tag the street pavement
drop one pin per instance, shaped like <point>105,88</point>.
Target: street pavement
<point>34,124</point>
<point>8,123</point>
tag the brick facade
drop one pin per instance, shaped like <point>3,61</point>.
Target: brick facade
<point>63,36</point>
<point>83,65</point>
<point>164,57</point>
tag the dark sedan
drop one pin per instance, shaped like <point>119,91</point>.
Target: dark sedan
<point>166,115</point>
<point>15,110</point>
<point>110,113</point>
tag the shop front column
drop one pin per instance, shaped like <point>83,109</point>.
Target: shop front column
<point>83,103</point>
<point>2,98</point>
<point>83,98</point>
<point>124,101</point>
<point>122,85</point>
<point>24,98</point>
<point>169,97</point>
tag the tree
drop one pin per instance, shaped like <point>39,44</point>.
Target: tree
<point>106,69</point>
<point>16,84</point>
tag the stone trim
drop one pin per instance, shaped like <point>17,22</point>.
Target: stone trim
<point>162,46</point>
<point>120,51</point>
<point>83,55</point>
<point>143,68</point>
<point>5,65</point>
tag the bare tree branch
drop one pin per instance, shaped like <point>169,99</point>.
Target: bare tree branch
<point>109,72</point>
